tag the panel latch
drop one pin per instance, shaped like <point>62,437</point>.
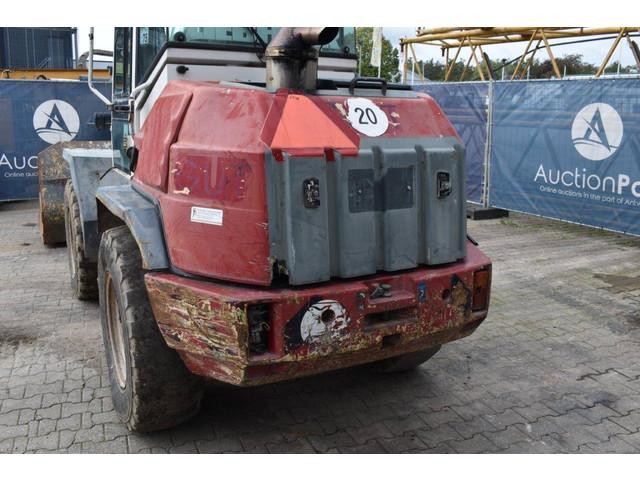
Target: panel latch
<point>311,192</point>
<point>444,184</point>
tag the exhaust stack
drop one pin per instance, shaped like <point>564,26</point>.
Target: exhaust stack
<point>292,62</point>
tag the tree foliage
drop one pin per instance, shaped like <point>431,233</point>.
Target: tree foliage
<point>390,56</point>
<point>568,64</point>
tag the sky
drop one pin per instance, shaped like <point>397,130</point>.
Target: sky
<point>102,38</point>
<point>593,52</point>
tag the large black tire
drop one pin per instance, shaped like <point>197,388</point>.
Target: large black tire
<point>405,362</point>
<point>150,385</point>
<point>83,273</point>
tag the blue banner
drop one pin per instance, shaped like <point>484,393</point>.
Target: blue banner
<point>466,104</point>
<point>35,114</point>
<point>568,150</point>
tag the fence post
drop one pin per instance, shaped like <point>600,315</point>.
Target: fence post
<point>486,184</point>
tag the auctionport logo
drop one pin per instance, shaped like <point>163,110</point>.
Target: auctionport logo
<point>597,131</point>
<point>56,121</point>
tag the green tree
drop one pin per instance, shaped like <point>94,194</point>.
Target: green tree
<point>572,64</point>
<point>435,70</point>
<point>613,68</point>
<point>390,56</point>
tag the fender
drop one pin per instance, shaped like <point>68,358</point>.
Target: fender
<point>139,214</point>
<point>86,166</point>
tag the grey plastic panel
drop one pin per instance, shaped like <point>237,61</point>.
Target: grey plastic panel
<point>355,225</point>
<point>378,211</point>
<point>446,217</point>
<point>143,220</point>
<point>86,166</point>
<point>302,239</point>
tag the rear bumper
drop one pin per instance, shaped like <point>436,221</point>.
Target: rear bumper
<point>315,329</point>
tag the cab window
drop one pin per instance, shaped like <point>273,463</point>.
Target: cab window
<point>122,62</point>
<point>149,42</point>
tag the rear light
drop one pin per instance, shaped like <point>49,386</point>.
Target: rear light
<point>259,319</point>
<point>481,287</point>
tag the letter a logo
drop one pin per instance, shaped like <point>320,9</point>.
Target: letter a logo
<point>597,131</point>
<point>56,121</point>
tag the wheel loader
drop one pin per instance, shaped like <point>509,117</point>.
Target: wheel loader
<point>265,214</point>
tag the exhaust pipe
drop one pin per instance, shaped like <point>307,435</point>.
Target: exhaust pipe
<point>292,60</point>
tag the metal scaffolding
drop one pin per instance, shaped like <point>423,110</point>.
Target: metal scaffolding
<point>456,38</point>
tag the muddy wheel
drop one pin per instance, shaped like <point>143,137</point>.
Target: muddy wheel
<point>405,362</point>
<point>83,272</point>
<point>150,385</point>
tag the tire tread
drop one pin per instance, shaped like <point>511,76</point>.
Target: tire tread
<point>164,392</point>
<point>85,283</point>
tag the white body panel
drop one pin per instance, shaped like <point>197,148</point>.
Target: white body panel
<point>221,65</point>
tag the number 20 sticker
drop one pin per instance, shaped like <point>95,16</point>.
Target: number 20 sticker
<point>366,117</point>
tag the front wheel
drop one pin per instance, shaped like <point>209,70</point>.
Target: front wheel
<point>150,385</point>
<point>405,362</point>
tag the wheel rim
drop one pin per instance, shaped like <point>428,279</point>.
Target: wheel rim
<point>115,331</point>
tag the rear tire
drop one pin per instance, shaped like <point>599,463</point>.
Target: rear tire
<point>83,273</point>
<point>405,362</point>
<point>150,385</point>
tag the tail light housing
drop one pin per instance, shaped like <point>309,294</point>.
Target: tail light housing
<point>481,289</point>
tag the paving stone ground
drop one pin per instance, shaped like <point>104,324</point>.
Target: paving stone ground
<point>555,367</point>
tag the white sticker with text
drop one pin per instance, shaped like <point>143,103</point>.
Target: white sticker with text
<point>212,216</point>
